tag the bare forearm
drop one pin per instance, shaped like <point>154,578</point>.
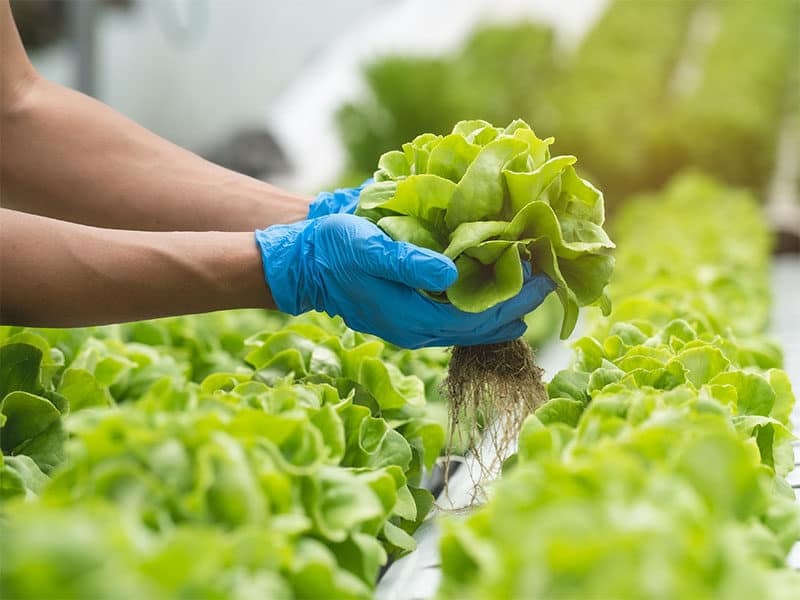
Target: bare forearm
<point>67,156</point>
<point>70,157</point>
<point>59,274</point>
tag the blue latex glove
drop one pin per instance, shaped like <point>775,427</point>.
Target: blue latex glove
<point>345,265</point>
<point>339,201</point>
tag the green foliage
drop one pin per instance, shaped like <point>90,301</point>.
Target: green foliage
<point>195,457</point>
<point>728,122</point>
<point>31,411</point>
<point>501,72</point>
<point>673,84</point>
<point>727,232</point>
<point>607,524</point>
<point>490,199</point>
<point>611,90</point>
<point>90,552</point>
<point>656,468</point>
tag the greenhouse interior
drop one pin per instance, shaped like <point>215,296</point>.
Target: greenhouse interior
<point>457,300</point>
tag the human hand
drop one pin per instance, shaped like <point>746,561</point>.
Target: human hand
<point>344,200</point>
<point>345,265</point>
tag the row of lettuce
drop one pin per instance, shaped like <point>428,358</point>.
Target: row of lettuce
<point>657,468</point>
<point>182,459</point>
<point>692,83</point>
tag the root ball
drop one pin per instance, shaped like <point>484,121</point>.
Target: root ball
<point>491,389</point>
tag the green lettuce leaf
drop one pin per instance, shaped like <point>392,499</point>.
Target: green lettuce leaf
<point>490,198</point>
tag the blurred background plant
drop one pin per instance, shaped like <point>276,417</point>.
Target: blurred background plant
<point>652,89</point>
<point>310,94</point>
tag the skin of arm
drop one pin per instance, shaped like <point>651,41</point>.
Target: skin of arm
<point>59,274</point>
<point>67,156</point>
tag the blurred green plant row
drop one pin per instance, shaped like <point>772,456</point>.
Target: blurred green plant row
<point>653,88</point>
<point>657,468</point>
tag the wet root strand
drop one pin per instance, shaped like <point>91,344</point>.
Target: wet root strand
<point>491,389</point>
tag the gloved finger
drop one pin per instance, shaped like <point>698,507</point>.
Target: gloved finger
<point>406,263</point>
<point>393,311</point>
<point>509,331</point>
<point>527,269</point>
<point>373,253</point>
<point>416,321</point>
<point>532,294</point>
<point>410,319</point>
<point>457,322</point>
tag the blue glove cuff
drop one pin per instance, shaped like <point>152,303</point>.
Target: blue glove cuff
<point>282,260</point>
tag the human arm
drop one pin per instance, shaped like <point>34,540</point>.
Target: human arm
<point>59,274</point>
<point>67,156</point>
<point>107,171</point>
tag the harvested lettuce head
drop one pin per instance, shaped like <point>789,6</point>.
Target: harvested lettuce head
<point>490,199</point>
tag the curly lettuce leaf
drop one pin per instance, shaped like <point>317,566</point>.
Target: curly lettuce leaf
<point>490,198</point>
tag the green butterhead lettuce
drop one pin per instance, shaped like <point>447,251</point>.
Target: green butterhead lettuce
<point>490,198</point>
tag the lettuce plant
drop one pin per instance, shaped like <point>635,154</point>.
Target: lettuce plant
<point>489,199</point>
<point>203,440</point>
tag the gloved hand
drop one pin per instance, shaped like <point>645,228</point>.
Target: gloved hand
<point>344,200</point>
<point>345,265</point>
